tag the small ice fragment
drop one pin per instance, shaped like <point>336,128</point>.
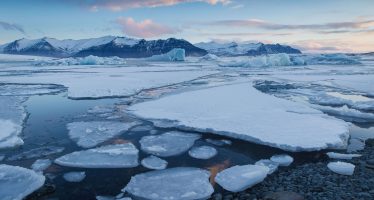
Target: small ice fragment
<point>142,128</point>
<point>41,165</point>
<point>37,153</point>
<point>343,156</point>
<point>239,178</point>
<point>342,168</point>
<point>273,166</point>
<point>202,152</point>
<point>218,142</point>
<point>74,176</point>
<point>283,160</point>
<point>153,162</point>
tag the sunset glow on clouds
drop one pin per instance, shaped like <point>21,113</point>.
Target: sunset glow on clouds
<point>313,26</point>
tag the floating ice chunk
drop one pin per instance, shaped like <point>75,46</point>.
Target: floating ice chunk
<point>142,128</point>
<point>176,54</point>
<point>111,198</point>
<point>342,155</point>
<point>74,176</point>
<point>9,134</point>
<point>110,156</point>
<point>221,142</point>
<point>209,57</point>
<point>239,178</point>
<point>342,168</point>
<point>41,165</point>
<point>283,159</point>
<point>331,59</point>
<point>168,144</point>
<point>182,183</point>
<point>37,153</point>
<point>90,134</point>
<point>17,182</point>
<point>153,162</point>
<point>256,117</point>
<point>273,166</point>
<point>346,113</point>
<point>202,152</point>
<point>88,60</point>
<point>281,59</point>
<point>100,110</point>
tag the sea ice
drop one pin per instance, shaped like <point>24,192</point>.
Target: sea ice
<point>153,162</point>
<point>240,111</point>
<point>176,54</point>
<point>74,176</point>
<point>90,134</point>
<point>283,160</point>
<point>202,152</point>
<point>273,166</point>
<point>9,134</point>
<point>41,165</point>
<point>110,156</point>
<point>239,178</point>
<point>142,128</point>
<point>342,155</point>
<point>342,168</point>
<point>347,113</point>
<point>221,142</point>
<point>17,182</point>
<point>182,183</point>
<point>169,143</point>
<point>37,153</point>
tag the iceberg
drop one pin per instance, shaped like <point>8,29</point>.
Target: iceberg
<point>88,60</point>
<point>342,168</point>
<point>240,111</point>
<point>273,166</point>
<point>283,160</point>
<point>90,134</point>
<point>239,178</point>
<point>176,54</point>
<point>153,162</point>
<point>182,183</point>
<point>202,152</point>
<point>41,165</point>
<point>342,156</point>
<point>168,144</point>
<point>17,182</point>
<point>330,59</point>
<point>209,57</point>
<point>110,156</point>
<point>271,60</point>
<point>74,176</point>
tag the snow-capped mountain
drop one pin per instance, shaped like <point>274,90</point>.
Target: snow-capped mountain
<point>104,46</point>
<point>245,49</point>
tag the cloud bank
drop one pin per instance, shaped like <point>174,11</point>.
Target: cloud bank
<point>11,27</point>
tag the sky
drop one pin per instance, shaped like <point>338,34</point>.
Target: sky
<point>310,25</point>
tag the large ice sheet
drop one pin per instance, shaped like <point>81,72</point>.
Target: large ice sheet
<point>90,134</point>
<point>239,178</point>
<point>17,182</point>
<point>168,144</point>
<point>182,183</point>
<point>240,111</point>
<point>110,156</point>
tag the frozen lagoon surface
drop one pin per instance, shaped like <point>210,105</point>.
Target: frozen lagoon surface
<point>61,99</point>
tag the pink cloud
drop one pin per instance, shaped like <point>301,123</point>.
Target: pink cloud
<point>144,29</point>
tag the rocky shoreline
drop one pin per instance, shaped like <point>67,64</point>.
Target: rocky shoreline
<point>314,181</point>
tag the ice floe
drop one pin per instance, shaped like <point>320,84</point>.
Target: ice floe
<point>342,155</point>
<point>41,165</point>
<point>74,176</point>
<point>283,160</point>
<point>110,156</point>
<point>347,113</point>
<point>203,152</point>
<point>168,144</point>
<point>342,168</point>
<point>9,134</point>
<point>239,178</point>
<point>90,134</point>
<point>182,183</point>
<point>88,60</point>
<point>37,153</point>
<point>273,166</point>
<point>240,111</point>
<point>153,162</point>
<point>176,54</point>
<point>17,182</point>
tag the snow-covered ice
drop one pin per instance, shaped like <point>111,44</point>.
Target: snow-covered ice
<point>273,166</point>
<point>348,114</point>
<point>37,153</point>
<point>176,54</point>
<point>240,111</point>
<point>9,134</point>
<point>168,144</point>
<point>283,160</point>
<point>74,176</point>
<point>41,165</point>
<point>17,182</point>
<point>202,152</point>
<point>110,156</point>
<point>342,168</point>
<point>182,183</point>
<point>239,178</point>
<point>153,162</point>
<point>90,134</point>
<point>342,155</point>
